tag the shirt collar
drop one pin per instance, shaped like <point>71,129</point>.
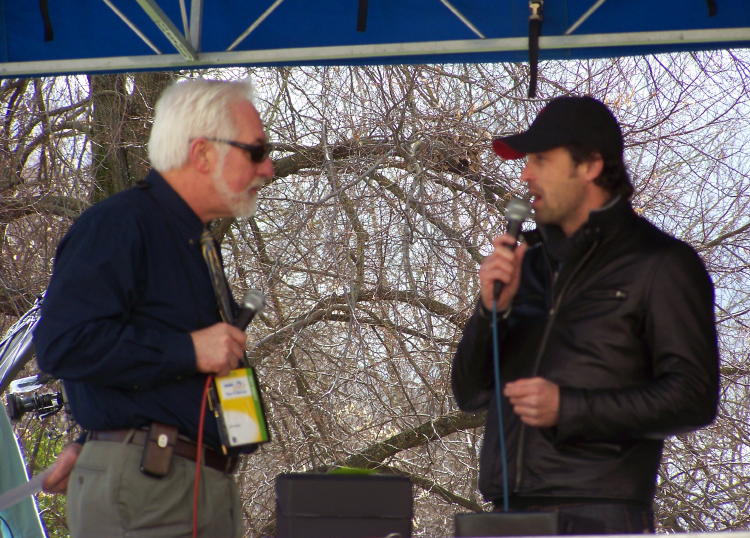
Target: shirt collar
<point>185,218</point>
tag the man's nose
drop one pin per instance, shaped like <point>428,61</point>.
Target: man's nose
<point>265,168</point>
<point>525,174</point>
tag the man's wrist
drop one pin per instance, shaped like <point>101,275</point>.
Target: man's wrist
<point>486,313</point>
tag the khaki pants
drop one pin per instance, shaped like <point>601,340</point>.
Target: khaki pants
<point>109,497</point>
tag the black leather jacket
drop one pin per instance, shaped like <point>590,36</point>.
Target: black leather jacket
<point>620,316</point>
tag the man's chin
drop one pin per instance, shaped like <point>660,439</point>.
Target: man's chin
<point>244,208</point>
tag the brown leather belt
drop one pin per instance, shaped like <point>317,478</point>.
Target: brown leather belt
<point>182,448</point>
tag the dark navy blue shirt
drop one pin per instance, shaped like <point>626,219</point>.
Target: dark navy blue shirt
<point>129,284</point>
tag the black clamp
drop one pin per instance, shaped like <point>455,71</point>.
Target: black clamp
<point>362,16</point>
<point>536,16</point>
<point>49,35</point>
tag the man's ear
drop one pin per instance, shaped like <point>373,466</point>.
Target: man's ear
<point>201,155</point>
<point>593,166</point>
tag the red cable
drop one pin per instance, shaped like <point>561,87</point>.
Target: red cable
<point>198,454</point>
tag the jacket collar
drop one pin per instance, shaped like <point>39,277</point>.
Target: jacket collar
<point>602,224</point>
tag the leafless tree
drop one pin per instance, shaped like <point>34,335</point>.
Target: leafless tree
<point>368,240</point>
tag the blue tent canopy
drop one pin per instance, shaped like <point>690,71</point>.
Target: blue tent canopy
<point>88,36</point>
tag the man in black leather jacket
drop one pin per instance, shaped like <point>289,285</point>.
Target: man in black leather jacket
<point>607,342</point>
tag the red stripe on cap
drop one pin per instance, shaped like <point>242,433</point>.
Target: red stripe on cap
<point>505,151</point>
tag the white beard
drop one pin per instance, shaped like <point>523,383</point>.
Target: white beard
<point>241,204</point>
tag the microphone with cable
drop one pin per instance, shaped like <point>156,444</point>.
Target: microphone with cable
<point>252,304</point>
<point>516,212</point>
<point>507,523</point>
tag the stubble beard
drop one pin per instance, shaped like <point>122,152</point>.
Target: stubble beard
<point>560,205</point>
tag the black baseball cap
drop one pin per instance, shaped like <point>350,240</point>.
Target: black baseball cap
<point>569,120</point>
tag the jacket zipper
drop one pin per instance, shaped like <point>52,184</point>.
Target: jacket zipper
<point>542,345</point>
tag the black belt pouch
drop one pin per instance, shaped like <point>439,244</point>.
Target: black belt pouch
<point>158,450</point>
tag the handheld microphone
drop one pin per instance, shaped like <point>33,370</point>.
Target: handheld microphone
<point>251,305</point>
<point>515,213</point>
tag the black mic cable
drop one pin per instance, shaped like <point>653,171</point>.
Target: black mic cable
<point>499,402</point>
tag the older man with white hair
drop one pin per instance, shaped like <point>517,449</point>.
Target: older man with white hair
<point>130,324</point>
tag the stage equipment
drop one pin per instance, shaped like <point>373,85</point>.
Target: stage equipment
<point>343,506</point>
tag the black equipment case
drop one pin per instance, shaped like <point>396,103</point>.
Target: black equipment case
<point>343,506</point>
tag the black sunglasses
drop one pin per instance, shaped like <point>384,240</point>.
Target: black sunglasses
<point>256,152</point>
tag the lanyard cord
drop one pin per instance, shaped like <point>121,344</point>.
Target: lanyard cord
<point>499,401</point>
<point>218,279</point>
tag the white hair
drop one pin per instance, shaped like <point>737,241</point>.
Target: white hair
<point>190,109</point>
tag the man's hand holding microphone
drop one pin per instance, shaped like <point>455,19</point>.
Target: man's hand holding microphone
<point>219,348</point>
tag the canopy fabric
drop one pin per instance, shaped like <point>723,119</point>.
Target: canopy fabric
<point>86,36</point>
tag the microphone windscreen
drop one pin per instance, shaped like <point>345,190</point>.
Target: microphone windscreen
<point>252,303</point>
<point>516,212</point>
<point>255,300</point>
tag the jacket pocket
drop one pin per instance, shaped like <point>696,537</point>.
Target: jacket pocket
<point>593,305</point>
<point>600,295</point>
<point>592,450</point>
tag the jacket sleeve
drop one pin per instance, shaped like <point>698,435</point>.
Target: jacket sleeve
<point>86,331</point>
<point>471,375</point>
<point>680,337</point>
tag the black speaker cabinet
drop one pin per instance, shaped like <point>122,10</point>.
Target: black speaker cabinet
<point>343,506</point>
